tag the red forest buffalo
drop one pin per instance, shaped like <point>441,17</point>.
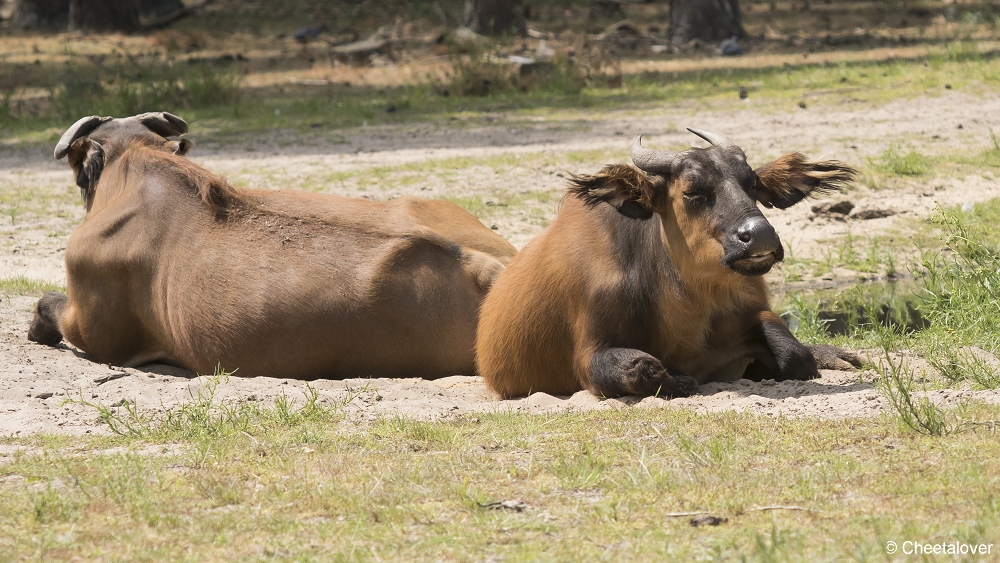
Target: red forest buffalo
<point>650,280</point>
<point>174,265</point>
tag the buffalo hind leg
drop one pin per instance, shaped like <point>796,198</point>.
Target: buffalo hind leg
<point>45,326</point>
<point>615,372</point>
<point>832,357</point>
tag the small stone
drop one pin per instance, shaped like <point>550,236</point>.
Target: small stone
<point>947,86</point>
<point>865,214</point>
<point>802,104</point>
<point>842,207</point>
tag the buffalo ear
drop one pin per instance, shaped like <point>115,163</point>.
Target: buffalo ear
<point>163,123</point>
<point>86,156</point>
<point>786,181</point>
<point>180,147</point>
<point>624,187</point>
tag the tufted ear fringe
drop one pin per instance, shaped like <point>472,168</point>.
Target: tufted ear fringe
<point>789,179</point>
<point>620,185</point>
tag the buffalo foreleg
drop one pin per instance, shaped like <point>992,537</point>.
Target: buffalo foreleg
<point>45,326</point>
<point>782,356</point>
<point>615,372</point>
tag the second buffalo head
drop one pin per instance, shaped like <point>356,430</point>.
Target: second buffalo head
<point>707,199</point>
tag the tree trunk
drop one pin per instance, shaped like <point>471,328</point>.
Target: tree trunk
<point>495,17</point>
<point>104,15</point>
<point>710,21</point>
<point>40,14</point>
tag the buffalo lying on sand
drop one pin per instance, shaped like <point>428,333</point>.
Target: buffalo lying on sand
<point>174,265</point>
<point>650,280</point>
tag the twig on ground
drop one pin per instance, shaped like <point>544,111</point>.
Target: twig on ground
<point>972,424</point>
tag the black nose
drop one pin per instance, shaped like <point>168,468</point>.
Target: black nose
<point>757,234</point>
<point>745,233</point>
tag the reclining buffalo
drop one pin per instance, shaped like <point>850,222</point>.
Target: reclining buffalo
<point>174,265</point>
<point>650,280</point>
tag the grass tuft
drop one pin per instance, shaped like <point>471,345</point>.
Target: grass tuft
<point>23,285</point>
<point>206,418</point>
<point>899,163</point>
<point>129,85</point>
<point>960,287</point>
<point>896,382</point>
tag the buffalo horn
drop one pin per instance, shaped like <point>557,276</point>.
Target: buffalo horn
<point>716,140</point>
<point>163,124</point>
<point>648,160</point>
<point>82,127</point>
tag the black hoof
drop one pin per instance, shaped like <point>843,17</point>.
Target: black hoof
<point>44,327</point>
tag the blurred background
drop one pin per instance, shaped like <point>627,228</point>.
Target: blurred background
<point>310,64</point>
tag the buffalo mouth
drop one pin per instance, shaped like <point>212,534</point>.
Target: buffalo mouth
<point>756,264</point>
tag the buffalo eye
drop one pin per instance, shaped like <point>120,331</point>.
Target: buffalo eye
<point>696,199</point>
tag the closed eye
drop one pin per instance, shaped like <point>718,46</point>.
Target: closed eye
<point>697,198</point>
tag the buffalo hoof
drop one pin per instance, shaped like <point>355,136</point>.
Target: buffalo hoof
<point>832,357</point>
<point>680,386</point>
<point>798,365</point>
<point>616,372</point>
<point>646,376</point>
<point>44,333</point>
<point>44,327</point>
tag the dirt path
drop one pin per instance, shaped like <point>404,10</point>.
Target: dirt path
<point>511,175</point>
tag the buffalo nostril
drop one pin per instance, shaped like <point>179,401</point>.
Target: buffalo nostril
<point>756,236</point>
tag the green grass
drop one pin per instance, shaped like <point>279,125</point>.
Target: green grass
<point>216,99</point>
<point>19,201</point>
<point>898,161</point>
<point>21,285</point>
<point>960,292</point>
<point>301,482</point>
<point>954,293</point>
<point>880,256</point>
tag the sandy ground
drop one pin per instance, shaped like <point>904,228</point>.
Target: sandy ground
<point>484,160</point>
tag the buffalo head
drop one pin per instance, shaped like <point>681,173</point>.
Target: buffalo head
<point>94,142</point>
<point>707,198</point>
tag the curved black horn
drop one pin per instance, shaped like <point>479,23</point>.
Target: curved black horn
<point>82,127</point>
<point>648,160</point>
<point>162,123</point>
<point>716,140</point>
